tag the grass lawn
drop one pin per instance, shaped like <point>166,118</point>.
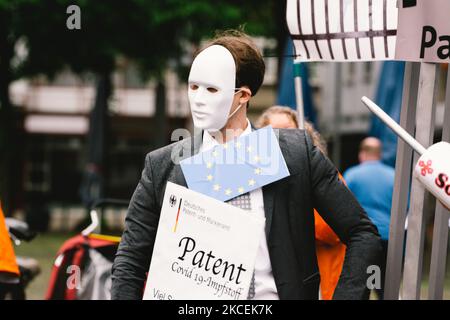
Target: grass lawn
<point>43,248</point>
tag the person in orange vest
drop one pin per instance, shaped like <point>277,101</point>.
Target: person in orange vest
<point>8,263</point>
<point>330,250</point>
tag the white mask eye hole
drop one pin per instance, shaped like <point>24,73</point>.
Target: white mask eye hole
<point>193,86</point>
<point>212,90</point>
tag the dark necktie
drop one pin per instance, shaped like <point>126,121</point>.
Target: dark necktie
<point>243,202</point>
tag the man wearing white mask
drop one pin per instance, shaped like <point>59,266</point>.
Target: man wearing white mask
<point>223,78</point>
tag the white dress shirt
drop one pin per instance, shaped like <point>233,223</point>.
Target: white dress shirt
<point>265,288</point>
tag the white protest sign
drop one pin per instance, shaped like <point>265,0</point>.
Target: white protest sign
<point>345,30</point>
<point>424,31</point>
<point>204,249</point>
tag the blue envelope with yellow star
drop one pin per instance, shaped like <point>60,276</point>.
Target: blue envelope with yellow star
<point>244,164</point>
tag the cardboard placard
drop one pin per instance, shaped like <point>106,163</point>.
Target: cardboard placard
<point>204,248</point>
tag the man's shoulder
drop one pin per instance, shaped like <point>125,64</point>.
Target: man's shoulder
<point>358,173</point>
<point>288,135</point>
<point>293,145</point>
<point>174,152</point>
<point>352,171</point>
<point>163,152</point>
<point>368,170</point>
<point>388,168</point>
<point>291,139</point>
<point>380,167</point>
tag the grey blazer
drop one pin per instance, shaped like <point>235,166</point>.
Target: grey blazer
<point>288,206</point>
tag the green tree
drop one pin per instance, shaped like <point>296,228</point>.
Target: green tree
<point>152,33</point>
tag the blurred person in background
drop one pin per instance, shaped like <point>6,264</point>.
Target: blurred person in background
<point>330,250</point>
<point>372,183</point>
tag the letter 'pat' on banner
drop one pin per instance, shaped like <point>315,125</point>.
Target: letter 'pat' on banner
<point>424,31</point>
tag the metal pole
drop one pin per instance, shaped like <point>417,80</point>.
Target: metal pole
<point>401,184</point>
<point>337,115</point>
<point>440,230</point>
<point>425,118</point>
<point>299,95</point>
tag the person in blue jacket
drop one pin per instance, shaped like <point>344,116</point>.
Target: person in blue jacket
<point>372,183</point>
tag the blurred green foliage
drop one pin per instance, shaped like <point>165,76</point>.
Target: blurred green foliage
<point>150,32</point>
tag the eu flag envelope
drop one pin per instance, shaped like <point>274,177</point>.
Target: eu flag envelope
<point>244,164</point>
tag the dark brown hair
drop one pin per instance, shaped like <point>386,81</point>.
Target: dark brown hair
<point>249,62</point>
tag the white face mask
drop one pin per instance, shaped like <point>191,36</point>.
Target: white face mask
<point>212,88</point>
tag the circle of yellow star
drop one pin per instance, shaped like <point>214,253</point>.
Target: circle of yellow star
<point>209,165</point>
<point>215,153</point>
<point>238,145</point>
<point>251,182</point>
<point>216,187</point>
<point>225,145</point>
<point>240,190</point>
<point>258,171</point>
<point>256,158</point>
<point>228,191</point>
<point>209,177</point>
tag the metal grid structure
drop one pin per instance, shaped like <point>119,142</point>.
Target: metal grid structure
<point>354,34</point>
<point>343,30</point>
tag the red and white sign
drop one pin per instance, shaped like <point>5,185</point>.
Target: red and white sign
<point>433,170</point>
